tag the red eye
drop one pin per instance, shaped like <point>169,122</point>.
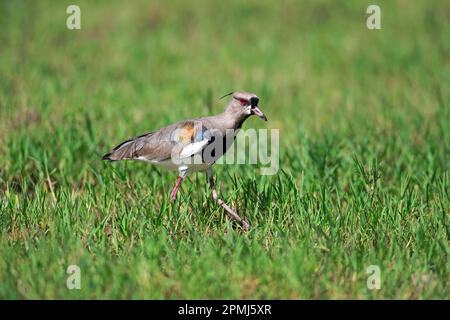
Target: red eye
<point>243,102</point>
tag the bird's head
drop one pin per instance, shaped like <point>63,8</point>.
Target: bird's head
<point>244,104</point>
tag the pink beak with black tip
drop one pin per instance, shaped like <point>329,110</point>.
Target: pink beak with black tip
<point>256,111</point>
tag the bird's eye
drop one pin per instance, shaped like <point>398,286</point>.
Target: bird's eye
<point>243,102</point>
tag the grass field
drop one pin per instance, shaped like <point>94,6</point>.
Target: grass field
<point>364,119</point>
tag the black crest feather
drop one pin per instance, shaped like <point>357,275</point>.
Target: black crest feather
<point>226,95</point>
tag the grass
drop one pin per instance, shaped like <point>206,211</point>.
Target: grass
<point>365,141</point>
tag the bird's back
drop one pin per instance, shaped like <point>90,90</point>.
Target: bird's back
<point>162,144</point>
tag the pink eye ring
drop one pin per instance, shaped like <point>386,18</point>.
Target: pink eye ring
<point>243,102</point>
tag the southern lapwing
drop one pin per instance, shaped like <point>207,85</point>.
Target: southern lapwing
<point>193,145</point>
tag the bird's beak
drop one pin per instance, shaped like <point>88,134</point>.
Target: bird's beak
<point>259,113</point>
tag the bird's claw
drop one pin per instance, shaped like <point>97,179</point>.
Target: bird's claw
<point>245,225</point>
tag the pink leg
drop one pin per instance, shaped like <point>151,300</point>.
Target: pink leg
<point>213,187</point>
<point>173,194</point>
<point>233,215</point>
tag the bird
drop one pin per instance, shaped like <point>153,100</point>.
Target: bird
<point>193,145</point>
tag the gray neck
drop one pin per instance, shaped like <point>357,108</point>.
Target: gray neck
<point>235,120</point>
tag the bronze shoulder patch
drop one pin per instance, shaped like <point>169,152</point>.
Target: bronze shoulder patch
<point>186,132</point>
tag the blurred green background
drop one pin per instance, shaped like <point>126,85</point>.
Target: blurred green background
<point>364,151</point>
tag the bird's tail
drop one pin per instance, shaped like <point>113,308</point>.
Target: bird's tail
<point>107,157</point>
<point>123,151</point>
<point>126,150</point>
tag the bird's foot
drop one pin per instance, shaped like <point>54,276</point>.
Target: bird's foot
<point>173,195</point>
<point>233,215</point>
<point>245,225</point>
<point>214,195</point>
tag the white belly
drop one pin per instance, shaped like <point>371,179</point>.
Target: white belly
<point>170,165</point>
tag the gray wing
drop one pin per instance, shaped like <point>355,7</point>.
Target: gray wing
<point>183,139</point>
